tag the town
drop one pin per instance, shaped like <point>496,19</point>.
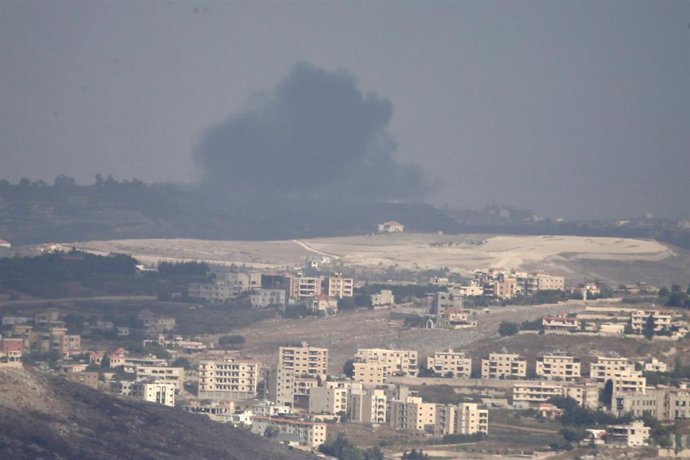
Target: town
<point>389,399</point>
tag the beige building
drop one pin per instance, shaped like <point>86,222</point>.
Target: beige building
<point>454,318</point>
<point>368,405</point>
<point>325,400</point>
<point>384,298</point>
<point>174,375</point>
<point>635,434</point>
<point>450,362</point>
<point>663,403</point>
<point>413,414</point>
<point>228,379</point>
<point>310,434</point>
<point>504,366</point>
<point>304,360</point>
<point>370,373</point>
<point>544,282</point>
<point>393,362</point>
<point>558,366</point>
<point>638,319</point>
<point>323,303</point>
<point>560,324</point>
<point>339,287</point>
<point>538,391</point>
<point>620,371</point>
<point>303,287</point>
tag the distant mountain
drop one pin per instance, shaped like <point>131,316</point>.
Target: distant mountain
<point>51,418</point>
<point>39,213</point>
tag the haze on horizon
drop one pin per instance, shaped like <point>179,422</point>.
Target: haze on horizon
<point>571,109</point>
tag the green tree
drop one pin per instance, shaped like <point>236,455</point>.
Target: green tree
<point>231,341</point>
<point>182,362</point>
<point>507,328</point>
<point>349,368</point>
<point>649,326</point>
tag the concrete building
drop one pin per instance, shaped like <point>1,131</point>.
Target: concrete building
<point>368,405</point>
<point>328,400</point>
<point>174,375</point>
<point>620,371</point>
<point>454,318</point>
<point>413,414</point>
<point>560,324</point>
<point>384,298</point>
<point>303,287</point>
<point>228,379</point>
<point>324,304</point>
<point>639,318</point>
<point>504,366</point>
<point>11,350</point>
<point>558,366</point>
<point>154,391</point>
<point>262,298</point>
<point>635,434</point>
<point>90,379</point>
<point>299,369</point>
<point>544,282</point>
<point>369,373</point>
<point>309,434</point>
<point>393,362</point>
<point>470,419</point>
<point>391,226</point>
<point>539,391</point>
<point>450,362</point>
<point>337,286</point>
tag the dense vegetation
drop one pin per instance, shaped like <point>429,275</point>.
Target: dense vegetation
<point>75,274</point>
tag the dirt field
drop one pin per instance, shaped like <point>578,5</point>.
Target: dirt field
<point>616,260</point>
<point>344,333</point>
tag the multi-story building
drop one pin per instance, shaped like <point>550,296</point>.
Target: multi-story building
<point>635,434</point>
<point>544,282</point>
<point>558,366</point>
<point>310,434</point>
<point>412,414</point>
<point>337,286</point>
<point>368,405</point>
<point>393,362</point>
<point>536,391</point>
<point>228,379</point>
<point>662,320</point>
<point>215,292</point>
<point>369,373</point>
<point>560,324</point>
<point>11,350</point>
<point>262,298</point>
<point>470,419</point>
<point>663,403</point>
<point>504,366</point>
<point>620,371</point>
<point>303,287</point>
<point>154,391</point>
<point>323,303</point>
<point>328,400</point>
<point>450,362</point>
<point>304,360</point>
<point>174,375</point>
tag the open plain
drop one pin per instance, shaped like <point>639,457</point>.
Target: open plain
<point>612,260</point>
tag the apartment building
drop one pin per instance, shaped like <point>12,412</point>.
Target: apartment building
<point>174,375</point>
<point>304,360</point>
<point>215,292</point>
<point>544,282</point>
<point>368,405</point>
<point>155,391</point>
<point>303,287</point>
<point>662,320</point>
<point>663,403</point>
<point>504,366</point>
<point>232,379</point>
<point>328,400</point>
<point>262,298</point>
<point>393,362</point>
<point>558,366</point>
<point>635,434</point>
<point>412,414</point>
<point>11,350</point>
<point>620,371</point>
<point>369,373</point>
<point>586,393</point>
<point>538,391</point>
<point>337,286</point>
<point>560,324</point>
<point>470,419</point>
<point>450,362</point>
<point>309,434</point>
<point>323,303</point>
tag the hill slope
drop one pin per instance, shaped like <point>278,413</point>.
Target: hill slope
<point>48,417</point>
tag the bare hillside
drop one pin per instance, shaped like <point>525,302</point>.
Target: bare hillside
<point>50,418</point>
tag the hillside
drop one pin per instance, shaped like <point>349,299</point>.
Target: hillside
<point>50,418</point>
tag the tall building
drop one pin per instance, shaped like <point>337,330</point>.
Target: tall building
<point>558,366</point>
<point>392,362</point>
<point>504,366</point>
<point>228,379</point>
<point>450,362</point>
<point>339,287</point>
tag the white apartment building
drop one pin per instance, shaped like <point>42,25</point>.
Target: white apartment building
<point>620,371</point>
<point>310,434</point>
<point>232,379</point>
<point>394,362</point>
<point>558,366</point>
<point>339,287</point>
<point>304,360</point>
<point>155,391</point>
<point>262,298</point>
<point>504,366</point>
<point>450,362</point>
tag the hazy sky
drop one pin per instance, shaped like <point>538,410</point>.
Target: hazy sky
<point>569,108</point>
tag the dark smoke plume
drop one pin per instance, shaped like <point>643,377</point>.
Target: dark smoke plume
<point>314,135</point>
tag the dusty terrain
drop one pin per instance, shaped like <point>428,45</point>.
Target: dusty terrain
<point>616,260</point>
